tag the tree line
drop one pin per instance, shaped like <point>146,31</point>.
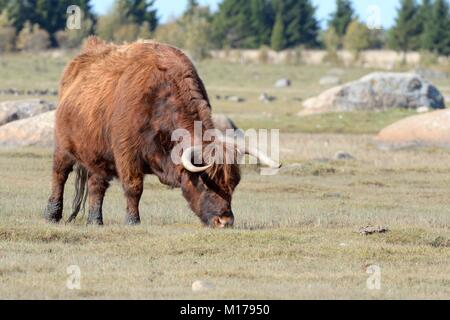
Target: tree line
<point>243,24</point>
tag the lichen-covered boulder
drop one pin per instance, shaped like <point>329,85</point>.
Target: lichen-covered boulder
<point>377,91</point>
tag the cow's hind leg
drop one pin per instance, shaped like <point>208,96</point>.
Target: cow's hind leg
<point>62,166</point>
<point>133,188</point>
<point>97,186</point>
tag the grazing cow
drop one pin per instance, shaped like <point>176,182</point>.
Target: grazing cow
<point>118,108</point>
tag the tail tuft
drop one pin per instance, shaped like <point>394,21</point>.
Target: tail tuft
<point>79,201</point>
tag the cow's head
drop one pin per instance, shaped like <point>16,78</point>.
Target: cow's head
<point>209,187</point>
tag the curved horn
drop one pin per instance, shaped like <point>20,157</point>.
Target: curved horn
<point>186,160</point>
<point>263,158</point>
<point>241,147</point>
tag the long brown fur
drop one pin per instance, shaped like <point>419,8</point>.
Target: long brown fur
<point>118,106</point>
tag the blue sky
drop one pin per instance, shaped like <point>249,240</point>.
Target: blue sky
<point>387,8</point>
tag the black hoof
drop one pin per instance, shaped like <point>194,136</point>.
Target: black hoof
<point>53,212</point>
<point>132,220</point>
<point>95,218</point>
<point>95,222</point>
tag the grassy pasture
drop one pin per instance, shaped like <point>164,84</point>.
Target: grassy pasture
<point>295,232</point>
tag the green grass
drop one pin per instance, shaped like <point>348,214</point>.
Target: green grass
<point>349,122</point>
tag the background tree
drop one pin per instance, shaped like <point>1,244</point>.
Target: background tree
<point>170,33</point>
<point>302,28</point>
<point>70,39</point>
<point>47,14</point>
<point>331,40</point>
<point>436,33</point>
<point>3,4</point>
<point>32,38</point>
<point>230,25</point>
<point>278,34</point>
<point>357,37</point>
<point>191,7</point>
<point>296,20</point>
<point>405,35</point>
<point>342,17</point>
<point>191,31</point>
<point>243,23</point>
<point>128,20</point>
<point>195,25</point>
<point>7,33</point>
<point>425,18</point>
<point>140,11</point>
<point>262,21</point>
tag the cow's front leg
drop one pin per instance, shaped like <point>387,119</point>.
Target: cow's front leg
<point>97,186</point>
<point>133,188</point>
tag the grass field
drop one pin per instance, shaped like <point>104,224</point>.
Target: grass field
<point>295,233</point>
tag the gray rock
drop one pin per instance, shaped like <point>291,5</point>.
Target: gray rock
<point>223,123</point>
<point>422,109</point>
<point>17,110</point>
<point>343,155</point>
<point>431,74</point>
<point>377,91</point>
<point>34,131</point>
<point>367,230</point>
<point>264,97</point>
<point>283,83</point>
<point>35,92</point>
<point>330,80</point>
<point>234,99</point>
<point>202,286</point>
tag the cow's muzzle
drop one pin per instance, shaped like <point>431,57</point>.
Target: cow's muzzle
<point>225,220</point>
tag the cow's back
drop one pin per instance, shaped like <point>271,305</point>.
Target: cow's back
<point>88,94</point>
<point>105,98</point>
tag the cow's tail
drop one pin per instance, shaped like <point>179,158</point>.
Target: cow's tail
<point>79,201</point>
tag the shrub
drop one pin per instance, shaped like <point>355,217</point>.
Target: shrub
<point>358,37</point>
<point>7,37</point>
<point>126,33</point>
<point>33,38</point>
<point>7,34</point>
<point>331,40</point>
<point>263,55</point>
<point>170,33</point>
<point>428,58</point>
<point>69,39</point>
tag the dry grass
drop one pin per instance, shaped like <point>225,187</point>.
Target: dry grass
<point>295,232</point>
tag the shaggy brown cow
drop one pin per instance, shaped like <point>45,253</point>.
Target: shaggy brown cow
<point>118,108</point>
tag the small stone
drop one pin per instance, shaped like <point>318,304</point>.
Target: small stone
<point>234,99</point>
<point>371,230</point>
<point>422,109</point>
<point>202,286</point>
<point>283,83</point>
<point>343,155</point>
<point>264,97</point>
<point>330,80</point>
